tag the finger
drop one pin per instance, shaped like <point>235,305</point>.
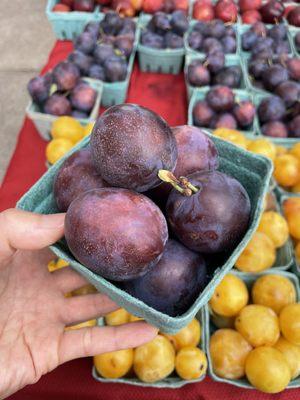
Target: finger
<point>87,342</point>
<point>28,231</point>
<point>83,308</point>
<point>67,279</point>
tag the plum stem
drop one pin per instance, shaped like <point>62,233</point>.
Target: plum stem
<point>168,177</point>
<point>53,88</point>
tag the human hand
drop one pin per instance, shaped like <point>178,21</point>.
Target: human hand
<point>34,311</point>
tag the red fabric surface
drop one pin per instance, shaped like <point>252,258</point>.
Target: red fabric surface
<point>164,94</point>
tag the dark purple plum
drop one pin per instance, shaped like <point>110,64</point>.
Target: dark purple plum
<point>82,61</point>
<point>244,113</point>
<point>111,24</point>
<point>161,22</point>
<point>195,40</point>
<point>215,61</point>
<point>294,127</point>
<point>115,69</point>
<point>93,28</point>
<point>202,114</point>
<point>85,43</point>
<point>124,44</point>
<point>278,32</point>
<point>215,29</point>
<point>274,129</point>
<point>230,31</point>
<point>215,218</point>
<point>257,68</point>
<point>211,45</point>
<point>173,285</point>
<point>102,52</point>
<point>229,44</point>
<point>271,108</point>
<point>201,27</point>
<point>229,76</point>
<point>225,120</point>
<point>39,88</point>
<point>293,65</point>
<point>83,97</point>
<point>79,114</point>
<point>249,38</point>
<point>66,75</point>
<point>198,74</point>
<point>259,28</point>
<point>57,104</point>
<point>173,41</point>
<point>179,22</point>
<point>116,233</point>
<point>76,176</point>
<point>289,91</point>
<point>151,39</point>
<point>274,76</point>
<point>130,144</point>
<point>262,44</point>
<point>220,98</point>
<point>96,71</point>
<point>281,48</point>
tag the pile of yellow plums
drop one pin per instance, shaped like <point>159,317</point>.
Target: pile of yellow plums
<point>286,161</point>
<point>261,340</point>
<point>158,359</point>
<point>291,210</point>
<point>66,132</point>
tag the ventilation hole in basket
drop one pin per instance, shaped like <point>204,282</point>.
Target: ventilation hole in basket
<point>171,69</point>
<point>159,70</point>
<point>64,34</point>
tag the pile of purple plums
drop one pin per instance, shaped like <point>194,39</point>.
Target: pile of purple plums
<point>113,225</point>
<point>62,92</point>
<point>165,31</point>
<point>278,74</point>
<point>264,42</point>
<point>221,109</point>
<point>202,73</point>
<point>103,49</point>
<point>213,37</point>
<point>276,117</point>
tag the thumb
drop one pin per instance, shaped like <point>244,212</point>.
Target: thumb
<point>28,231</point>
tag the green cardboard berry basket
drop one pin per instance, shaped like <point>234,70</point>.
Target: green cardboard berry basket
<point>199,94</point>
<point>258,97</point>
<point>43,122</point>
<point>173,381</point>
<point>292,32</point>
<point>165,61</point>
<point>190,51</point>
<point>210,328</point>
<point>68,25</point>
<point>229,61</point>
<point>254,173</point>
<point>284,255</point>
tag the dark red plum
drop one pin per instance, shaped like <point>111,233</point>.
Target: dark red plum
<point>225,120</point>
<point>83,97</point>
<point>96,72</point>
<point>130,144</point>
<point>215,218</point>
<point>66,75</point>
<point>173,41</point>
<point>115,69</point>
<point>275,129</point>
<point>289,91</point>
<point>293,65</point>
<point>57,104</point>
<point>271,108</point>
<point>173,285</point>
<point>202,114</point>
<point>198,74</point>
<point>215,61</point>
<point>116,233</point>
<point>272,12</point>
<point>81,60</point>
<point>294,127</point>
<point>85,43</point>
<point>84,5</point>
<point>229,76</point>
<point>39,89</point>
<point>220,98</point>
<point>294,17</point>
<point>244,113</point>
<point>274,76</point>
<point>124,44</point>
<point>76,176</point>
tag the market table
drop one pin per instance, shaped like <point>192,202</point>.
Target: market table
<point>164,94</point>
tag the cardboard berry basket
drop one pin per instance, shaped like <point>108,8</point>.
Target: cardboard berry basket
<point>68,25</point>
<point>254,173</point>
<point>292,32</point>
<point>210,329</point>
<point>173,381</point>
<point>230,60</point>
<point>165,61</point>
<point>190,51</point>
<point>199,94</point>
<point>43,122</point>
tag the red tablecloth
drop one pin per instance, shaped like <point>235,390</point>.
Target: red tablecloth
<point>164,94</point>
